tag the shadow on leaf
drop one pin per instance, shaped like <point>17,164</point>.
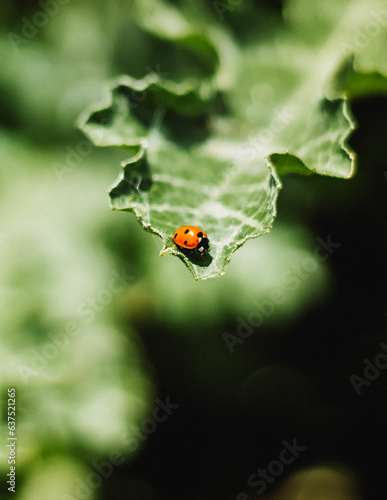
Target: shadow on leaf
<point>199,260</point>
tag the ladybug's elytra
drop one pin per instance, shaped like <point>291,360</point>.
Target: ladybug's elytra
<point>191,239</point>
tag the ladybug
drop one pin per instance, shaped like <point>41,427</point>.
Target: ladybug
<point>191,240</point>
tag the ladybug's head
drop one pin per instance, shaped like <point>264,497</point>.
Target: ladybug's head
<point>202,246</point>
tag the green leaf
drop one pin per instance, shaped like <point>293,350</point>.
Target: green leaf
<point>217,194</point>
<point>207,151</point>
<point>169,23</point>
<point>319,141</point>
<point>357,84</point>
<point>359,41</point>
<point>177,178</point>
<point>288,164</point>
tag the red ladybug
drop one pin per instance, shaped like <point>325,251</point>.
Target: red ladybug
<point>191,239</point>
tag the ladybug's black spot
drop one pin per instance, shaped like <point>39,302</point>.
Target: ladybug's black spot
<point>200,234</point>
<point>175,236</point>
<point>185,243</point>
<point>186,231</point>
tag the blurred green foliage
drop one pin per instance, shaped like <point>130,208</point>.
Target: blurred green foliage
<point>93,322</point>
